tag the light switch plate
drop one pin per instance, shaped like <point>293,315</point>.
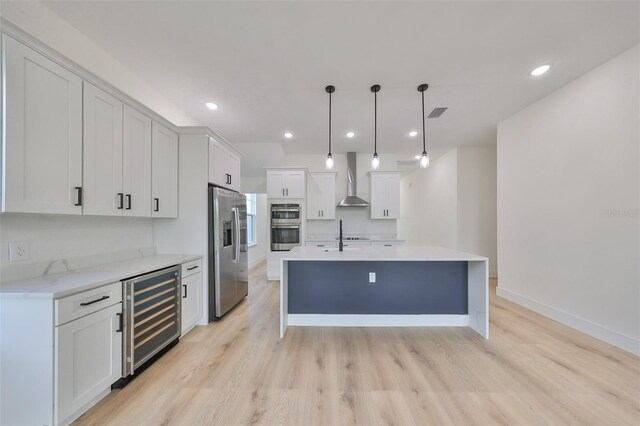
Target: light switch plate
<point>372,277</point>
<point>18,250</point>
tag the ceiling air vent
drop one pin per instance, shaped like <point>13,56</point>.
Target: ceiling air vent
<point>437,112</point>
<point>407,163</point>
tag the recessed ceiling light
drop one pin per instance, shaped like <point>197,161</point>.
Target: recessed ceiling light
<point>288,135</point>
<point>413,133</point>
<point>540,70</point>
<point>417,157</point>
<point>350,134</point>
<point>211,105</point>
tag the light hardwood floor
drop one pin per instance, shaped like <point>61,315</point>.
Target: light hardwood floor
<point>238,371</point>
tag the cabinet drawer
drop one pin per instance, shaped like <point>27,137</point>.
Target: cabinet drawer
<point>81,304</point>
<point>191,268</point>
<point>386,243</point>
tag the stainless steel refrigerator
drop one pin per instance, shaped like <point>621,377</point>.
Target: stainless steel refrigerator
<point>228,262</point>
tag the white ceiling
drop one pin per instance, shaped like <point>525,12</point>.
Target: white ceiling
<point>266,63</point>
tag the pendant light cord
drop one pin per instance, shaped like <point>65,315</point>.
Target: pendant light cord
<point>329,122</point>
<point>375,122</point>
<point>424,137</point>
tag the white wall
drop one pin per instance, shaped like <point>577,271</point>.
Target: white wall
<point>429,203</point>
<point>477,203</point>
<point>568,204</point>
<point>58,243</point>
<point>453,203</point>
<point>258,252</point>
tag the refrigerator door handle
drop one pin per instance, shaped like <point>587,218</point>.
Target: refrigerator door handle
<point>236,235</point>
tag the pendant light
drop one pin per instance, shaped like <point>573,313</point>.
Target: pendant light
<point>424,158</point>
<point>375,160</point>
<point>329,161</point>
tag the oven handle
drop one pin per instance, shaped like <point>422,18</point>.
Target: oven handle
<point>284,226</point>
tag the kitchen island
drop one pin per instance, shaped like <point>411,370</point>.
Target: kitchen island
<point>401,286</point>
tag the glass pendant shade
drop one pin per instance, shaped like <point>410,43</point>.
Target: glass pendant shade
<point>424,160</point>
<point>329,162</point>
<point>375,162</point>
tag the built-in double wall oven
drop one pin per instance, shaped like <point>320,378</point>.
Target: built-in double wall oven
<point>286,226</point>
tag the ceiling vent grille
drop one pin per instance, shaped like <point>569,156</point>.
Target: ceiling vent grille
<point>407,163</point>
<point>437,112</point>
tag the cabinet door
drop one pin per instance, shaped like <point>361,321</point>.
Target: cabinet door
<point>164,172</point>
<point>42,145</point>
<point>294,184</point>
<point>314,197</point>
<point>233,169</point>
<point>136,163</point>
<point>327,184</point>
<point>378,202</point>
<point>88,359</point>
<point>217,164</point>
<point>392,196</point>
<point>191,300</point>
<point>102,153</point>
<point>275,184</point>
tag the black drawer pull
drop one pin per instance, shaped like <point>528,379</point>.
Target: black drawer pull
<point>192,268</point>
<point>128,202</point>
<point>120,200</point>
<point>94,301</point>
<point>185,291</point>
<point>120,323</point>
<point>157,208</point>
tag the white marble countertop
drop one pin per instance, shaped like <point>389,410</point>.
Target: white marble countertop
<point>63,285</point>
<point>366,240</point>
<point>396,253</point>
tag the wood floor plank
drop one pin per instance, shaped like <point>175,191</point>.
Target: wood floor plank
<point>532,371</point>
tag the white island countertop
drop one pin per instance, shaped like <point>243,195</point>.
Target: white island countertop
<point>63,285</point>
<point>397,253</point>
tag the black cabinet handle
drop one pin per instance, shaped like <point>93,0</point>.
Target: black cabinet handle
<point>192,268</point>
<point>230,179</point>
<point>128,202</point>
<point>184,296</point>
<point>79,189</point>
<point>157,208</point>
<point>287,192</point>
<point>120,200</point>
<point>120,323</point>
<point>94,301</point>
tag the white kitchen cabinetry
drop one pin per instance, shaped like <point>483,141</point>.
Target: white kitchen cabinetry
<point>321,196</point>
<point>224,166</point>
<point>385,195</point>
<point>58,356</point>
<point>386,243</point>
<point>286,183</point>
<point>322,244</point>
<point>42,144</point>
<point>191,294</point>
<point>164,172</point>
<point>136,163</point>
<point>116,158</point>
<point>88,360</point>
<point>102,153</point>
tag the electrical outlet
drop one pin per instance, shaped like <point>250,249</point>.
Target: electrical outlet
<point>372,277</point>
<point>18,250</point>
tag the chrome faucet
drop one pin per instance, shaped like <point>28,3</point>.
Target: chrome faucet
<point>340,246</point>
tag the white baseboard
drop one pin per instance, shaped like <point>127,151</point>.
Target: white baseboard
<point>338,320</point>
<point>614,338</point>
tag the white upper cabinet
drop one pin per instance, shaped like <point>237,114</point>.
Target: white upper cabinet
<point>136,163</point>
<point>286,184</point>
<point>224,166</point>
<point>102,153</point>
<point>385,195</point>
<point>164,172</point>
<point>42,145</point>
<point>321,196</point>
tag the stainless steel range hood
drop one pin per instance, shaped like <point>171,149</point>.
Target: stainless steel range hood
<point>352,199</point>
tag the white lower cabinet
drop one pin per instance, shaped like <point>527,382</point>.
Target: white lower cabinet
<point>322,244</point>
<point>386,243</point>
<point>88,360</point>
<point>191,301</point>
